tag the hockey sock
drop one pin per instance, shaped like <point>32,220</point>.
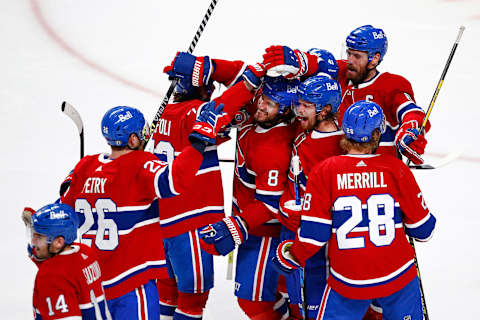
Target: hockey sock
<point>168,296</point>
<point>259,310</point>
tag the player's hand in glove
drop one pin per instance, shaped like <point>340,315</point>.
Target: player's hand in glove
<point>283,261</point>
<point>410,143</point>
<point>209,122</point>
<point>188,66</point>
<point>221,238</point>
<point>283,61</point>
<point>254,75</point>
<point>290,215</point>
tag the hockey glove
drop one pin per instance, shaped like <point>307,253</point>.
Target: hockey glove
<point>283,261</point>
<point>283,61</point>
<point>188,66</point>
<point>221,238</point>
<point>254,74</point>
<point>209,122</point>
<point>410,143</point>
<point>291,215</point>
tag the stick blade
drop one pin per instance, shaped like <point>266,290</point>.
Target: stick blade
<point>73,114</point>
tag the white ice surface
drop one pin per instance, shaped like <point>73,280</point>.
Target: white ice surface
<point>108,53</point>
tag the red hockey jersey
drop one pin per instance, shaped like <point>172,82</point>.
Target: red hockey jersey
<point>68,286</point>
<point>203,202</point>
<point>393,93</point>
<point>118,216</point>
<point>360,205</point>
<point>262,161</point>
<point>311,147</point>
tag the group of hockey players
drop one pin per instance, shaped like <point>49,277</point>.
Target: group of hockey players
<point>322,204</point>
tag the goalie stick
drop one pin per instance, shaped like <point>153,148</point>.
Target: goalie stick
<point>435,94</point>
<point>192,46</point>
<point>73,114</point>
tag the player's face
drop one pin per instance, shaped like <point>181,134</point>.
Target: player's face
<point>306,114</point>
<point>39,243</point>
<point>357,65</point>
<point>267,110</point>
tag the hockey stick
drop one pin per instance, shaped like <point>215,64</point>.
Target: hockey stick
<point>230,255</point>
<point>442,162</point>
<point>296,173</point>
<point>439,85</point>
<point>192,46</point>
<point>422,128</point>
<point>73,114</point>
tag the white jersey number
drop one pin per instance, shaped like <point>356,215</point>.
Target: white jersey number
<point>106,236</point>
<point>59,306</point>
<point>166,148</point>
<point>381,227</point>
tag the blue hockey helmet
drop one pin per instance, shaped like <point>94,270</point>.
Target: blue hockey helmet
<point>281,91</point>
<point>321,90</point>
<point>327,63</point>
<point>55,220</point>
<point>120,122</point>
<point>369,39</point>
<point>361,119</point>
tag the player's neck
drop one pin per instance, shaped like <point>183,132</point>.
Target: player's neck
<point>370,75</point>
<point>354,150</point>
<point>327,125</point>
<point>118,153</point>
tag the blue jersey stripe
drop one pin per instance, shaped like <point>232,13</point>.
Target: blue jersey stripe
<point>271,200</point>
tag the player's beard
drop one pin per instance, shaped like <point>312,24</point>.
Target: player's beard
<point>266,120</point>
<point>357,76</point>
<point>307,123</point>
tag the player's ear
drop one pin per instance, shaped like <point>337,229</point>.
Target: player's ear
<point>58,243</point>
<point>133,141</point>
<point>375,60</point>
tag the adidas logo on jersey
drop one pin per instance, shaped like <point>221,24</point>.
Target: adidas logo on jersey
<point>361,164</point>
<point>99,169</point>
<point>84,256</point>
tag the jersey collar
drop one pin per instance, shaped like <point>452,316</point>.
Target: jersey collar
<point>367,83</point>
<point>360,155</point>
<point>320,134</point>
<point>259,129</point>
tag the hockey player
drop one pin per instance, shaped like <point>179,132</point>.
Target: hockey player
<point>68,283</point>
<point>262,159</point>
<point>113,194</point>
<point>319,99</point>
<point>360,80</point>
<point>185,293</point>
<point>362,205</point>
